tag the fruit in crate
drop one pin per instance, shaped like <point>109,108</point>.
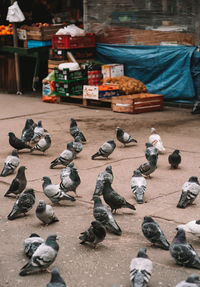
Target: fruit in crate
<point>6,30</point>
<point>41,25</point>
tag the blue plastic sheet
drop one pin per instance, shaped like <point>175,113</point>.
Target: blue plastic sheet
<point>165,70</point>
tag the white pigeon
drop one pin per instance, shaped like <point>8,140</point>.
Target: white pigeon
<point>31,244</point>
<point>140,269</point>
<point>191,227</point>
<point>192,281</point>
<point>156,141</point>
<point>45,213</point>
<point>10,164</point>
<point>65,172</point>
<point>138,185</point>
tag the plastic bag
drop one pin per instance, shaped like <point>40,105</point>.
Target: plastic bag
<point>70,66</point>
<point>71,30</point>
<point>14,13</point>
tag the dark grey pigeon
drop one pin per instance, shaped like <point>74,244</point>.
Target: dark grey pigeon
<point>140,269</point>
<point>53,191</point>
<point>107,173</point>
<point>105,150</point>
<point>31,244</point>
<point>151,152</point>
<point>43,257</point>
<point>124,137</point>
<point>43,144</point>
<point>17,143</point>
<point>104,215</point>
<point>66,170</point>
<point>138,186</point>
<point>56,279</point>
<point>154,234</point>
<point>148,168</point>
<point>19,182</point>
<point>113,199</point>
<point>95,234</point>
<point>193,280</point>
<point>38,132</point>
<point>75,131</point>
<point>182,252</point>
<point>45,213</point>
<point>174,159</point>
<point>71,182</point>
<point>23,204</point>
<point>28,131</point>
<point>65,157</point>
<point>190,190</point>
<point>10,163</point>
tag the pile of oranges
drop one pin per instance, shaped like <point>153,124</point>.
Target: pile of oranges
<point>6,30</point>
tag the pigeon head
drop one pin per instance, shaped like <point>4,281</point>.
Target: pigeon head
<point>51,241</point>
<point>148,219</point>
<point>137,173</point>
<point>119,131</point>
<point>193,278</point>
<point>39,124</point>
<point>180,236</point>
<point>73,122</point>
<point>21,170</point>
<point>41,206</point>
<point>55,277</point>
<point>194,179</point>
<point>47,138</point>
<point>11,135</point>
<point>96,199</point>
<point>142,253</point>
<point>153,131</point>
<point>15,153</point>
<point>46,181</point>
<point>28,123</point>
<point>176,151</point>
<point>78,139</point>
<point>34,235</point>
<point>148,145</point>
<point>30,191</point>
<point>70,146</point>
<point>109,169</point>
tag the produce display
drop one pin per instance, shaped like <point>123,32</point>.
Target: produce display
<point>6,30</point>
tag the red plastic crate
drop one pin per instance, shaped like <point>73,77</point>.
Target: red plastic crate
<point>68,42</point>
<point>94,77</point>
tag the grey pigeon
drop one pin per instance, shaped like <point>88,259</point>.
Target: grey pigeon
<point>190,190</point>
<point>38,132</point>
<point>23,204</point>
<point>154,234</point>
<point>151,152</point>
<point>193,280</point>
<point>155,139</point>
<point>31,244</point>
<point>174,159</point>
<point>43,144</point>
<point>10,164</point>
<point>192,227</point>
<point>113,199</point>
<point>45,213</point>
<point>71,182</point>
<point>43,257</point>
<point>182,252</point>
<point>94,234</point>
<point>124,137</point>
<point>53,191</point>
<point>18,184</point>
<point>104,215</point>
<point>140,269</point>
<point>56,279</point>
<point>107,173</point>
<point>66,170</point>
<point>138,186</point>
<point>28,131</point>
<point>77,145</point>
<point>65,157</point>
<point>17,143</point>
<point>75,131</point>
<point>148,168</point>
<point>105,150</point>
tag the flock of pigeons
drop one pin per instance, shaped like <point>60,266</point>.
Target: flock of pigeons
<point>42,253</point>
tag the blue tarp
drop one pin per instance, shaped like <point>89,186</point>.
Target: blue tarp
<point>166,70</point>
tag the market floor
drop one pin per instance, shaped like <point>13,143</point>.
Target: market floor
<point>108,264</point>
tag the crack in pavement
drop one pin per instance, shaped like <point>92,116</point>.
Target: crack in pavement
<point>164,195</point>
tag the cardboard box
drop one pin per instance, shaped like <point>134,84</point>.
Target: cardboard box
<point>112,70</point>
<point>99,92</point>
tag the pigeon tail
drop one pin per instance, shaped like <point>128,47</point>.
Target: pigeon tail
<point>138,280</point>
<point>128,205</point>
<point>12,215</point>
<point>95,155</point>
<point>114,229</point>
<point>164,245</point>
<point>54,163</point>
<point>183,200</point>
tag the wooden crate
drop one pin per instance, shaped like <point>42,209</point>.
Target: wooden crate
<point>54,64</point>
<point>43,33</point>
<point>137,103</point>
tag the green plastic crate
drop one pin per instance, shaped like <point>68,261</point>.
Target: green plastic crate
<point>66,89</point>
<point>67,75</point>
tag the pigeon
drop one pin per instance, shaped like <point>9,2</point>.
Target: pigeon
<point>154,234</point>
<point>32,243</point>
<point>124,137</point>
<point>43,144</point>
<point>38,132</point>
<point>45,213</point>
<point>104,215</point>
<point>56,279</point>
<point>28,131</point>
<point>11,163</point>
<point>75,131</point>
<point>94,234</point>
<point>113,199</point>
<point>23,204</point>
<point>19,182</point>
<point>53,191</point>
<point>174,159</point>
<point>148,168</point>
<point>43,257</point>
<point>65,157</point>
<point>190,190</point>
<point>105,150</point>
<point>191,227</point>
<point>138,186</point>
<point>151,152</point>
<point>193,280</point>
<point>182,252</point>
<point>66,170</point>
<point>71,182</point>
<point>156,141</point>
<point>18,144</point>
<point>107,173</point>
<point>140,269</point>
